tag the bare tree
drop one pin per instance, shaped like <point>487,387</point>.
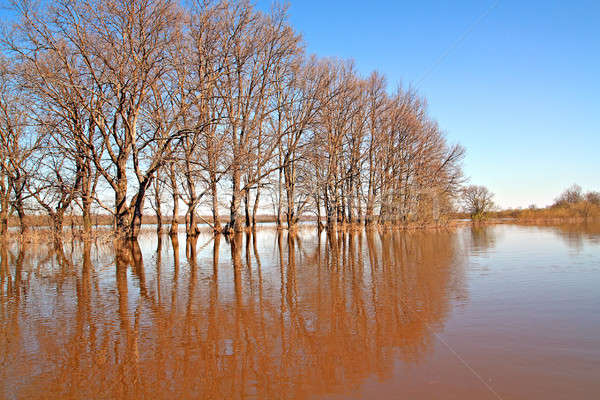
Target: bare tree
<point>18,143</point>
<point>478,201</point>
<point>118,49</point>
<point>254,47</point>
<point>377,103</point>
<point>334,121</point>
<point>572,195</point>
<point>56,183</point>
<point>297,103</point>
<point>148,96</point>
<point>157,191</point>
<point>593,198</point>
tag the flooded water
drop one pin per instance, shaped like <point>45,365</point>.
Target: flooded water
<point>500,312</point>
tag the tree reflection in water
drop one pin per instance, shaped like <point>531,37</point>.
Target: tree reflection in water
<point>266,315</point>
<point>576,235</point>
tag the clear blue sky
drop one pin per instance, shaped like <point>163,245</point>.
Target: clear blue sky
<point>521,92</point>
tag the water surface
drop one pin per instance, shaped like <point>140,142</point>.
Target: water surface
<point>477,313</point>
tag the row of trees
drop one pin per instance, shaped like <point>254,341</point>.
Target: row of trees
<point>574,195</point>
<point>121,106</point>
<point>572,203</point>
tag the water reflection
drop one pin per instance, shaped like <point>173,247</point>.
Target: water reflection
<point>265,315</point>
<point>482,238</point>
<point>576,235</point>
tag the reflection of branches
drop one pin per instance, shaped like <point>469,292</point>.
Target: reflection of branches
<point>483,238</point>
<point>576,235</point>
<point>279,329</point>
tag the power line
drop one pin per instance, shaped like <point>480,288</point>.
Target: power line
<point>458,357</point>
<point>458,41</point>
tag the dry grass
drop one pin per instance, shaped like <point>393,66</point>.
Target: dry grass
<point>570,212</point>
<point>100,220</point>
<point>563,213</point>
<point>42,234</point>
<point>39,231</point>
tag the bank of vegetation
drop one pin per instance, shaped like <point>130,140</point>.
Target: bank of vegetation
<point>571,205</point>
<point>134,107</point>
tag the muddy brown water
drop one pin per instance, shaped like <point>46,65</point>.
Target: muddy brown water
<point>498,312</point>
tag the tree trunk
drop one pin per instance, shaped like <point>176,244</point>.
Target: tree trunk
<point>159,219</point>
<point>175,193</point>
<point>18,187</point>
<point>318,205</point>
<point>136,221</point>
<point>255,207</point>
<point>359,213</point>
<point>291,214</point>
<point>370,208</point>
<point>121,211</point>
<point>138,209</point>
<point>247,207</point>
<point>86,214</point>
<point>215,206</point>
<point>235,224</point>
<point>289,195</point>
<point>191,225</point>
<point>21,213</point>
<point>279,205</point>
<point>332,212</point>
<point>85,186</point>
<point>57,223</point>
<point>3,255</point>
<point>4,217</point>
